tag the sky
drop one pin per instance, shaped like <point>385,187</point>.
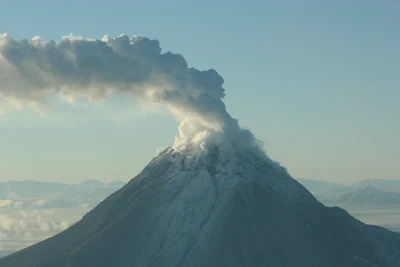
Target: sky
<point>316,81</point>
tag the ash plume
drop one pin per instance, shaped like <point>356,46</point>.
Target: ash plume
<point>34,71</point>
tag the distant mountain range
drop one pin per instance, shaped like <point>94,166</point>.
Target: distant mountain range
<point>34,194</point>
<point>362,192</point>
<point>370,195</point>
<point>325,190</point>
<point>386,185</point>
<point>43,195</point>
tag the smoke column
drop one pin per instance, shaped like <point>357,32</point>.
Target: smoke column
<point>33,71</point>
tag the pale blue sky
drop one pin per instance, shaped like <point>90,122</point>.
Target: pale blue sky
<point>316,80</point>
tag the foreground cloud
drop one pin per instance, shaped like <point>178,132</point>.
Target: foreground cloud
<point>29,224</point>
<point>5,203</point>
<point>22,228</point>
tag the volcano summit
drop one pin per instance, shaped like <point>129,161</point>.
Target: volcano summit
<point>213,198</point>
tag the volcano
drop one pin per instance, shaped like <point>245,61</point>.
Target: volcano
<point>204,210</point>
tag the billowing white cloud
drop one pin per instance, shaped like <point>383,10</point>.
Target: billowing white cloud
<point>5,203</point>
<point>40,203</point>
<point>29,224</point>
<point>32,71</point>
<point>22,228</point>
<point>19,204</point>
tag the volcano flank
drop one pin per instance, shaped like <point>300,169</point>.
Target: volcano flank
<point>203,211</point>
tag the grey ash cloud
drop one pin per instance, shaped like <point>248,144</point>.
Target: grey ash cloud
<point>77,66</point>
<point>33,71</point>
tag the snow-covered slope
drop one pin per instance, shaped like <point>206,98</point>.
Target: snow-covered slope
<point>208,211</point>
